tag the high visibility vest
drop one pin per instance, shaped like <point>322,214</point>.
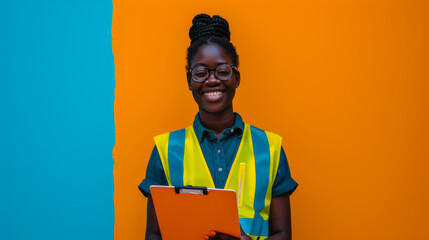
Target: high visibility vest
<point>252,173</point>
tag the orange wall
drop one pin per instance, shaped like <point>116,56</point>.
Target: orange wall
<point>344,82</point>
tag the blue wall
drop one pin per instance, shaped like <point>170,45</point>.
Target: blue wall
<point>56,120</point>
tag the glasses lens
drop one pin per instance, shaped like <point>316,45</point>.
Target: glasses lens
<point>200,73</point>
<point>223,72</point>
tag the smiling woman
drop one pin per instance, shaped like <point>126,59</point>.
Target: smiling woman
<point>229,147</point>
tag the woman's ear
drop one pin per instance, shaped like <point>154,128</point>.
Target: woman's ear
<point>237,77</point>
<point>188,77</point>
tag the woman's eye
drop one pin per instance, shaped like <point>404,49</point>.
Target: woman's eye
<point>200,74</point>
<point>223,73</point>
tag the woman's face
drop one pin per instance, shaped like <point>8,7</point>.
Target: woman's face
<point>213,95</point>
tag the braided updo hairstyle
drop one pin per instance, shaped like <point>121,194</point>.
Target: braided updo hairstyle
<point>210,30</point>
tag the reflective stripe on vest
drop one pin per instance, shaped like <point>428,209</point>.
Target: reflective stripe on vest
<point>252,173</point>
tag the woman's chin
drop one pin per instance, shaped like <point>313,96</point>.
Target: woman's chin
<point>219,108</point>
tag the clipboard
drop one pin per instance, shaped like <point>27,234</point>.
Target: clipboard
<point>192,212</point>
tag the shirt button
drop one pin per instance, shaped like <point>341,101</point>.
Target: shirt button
<point>218,151</point>
<point>220,169</point>
<point>232,130</point>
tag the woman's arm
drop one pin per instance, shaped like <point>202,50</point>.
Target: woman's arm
<point>280,220</point>
<point>152,227</point>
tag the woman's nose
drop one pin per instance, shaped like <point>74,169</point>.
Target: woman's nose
<point>212,80</point>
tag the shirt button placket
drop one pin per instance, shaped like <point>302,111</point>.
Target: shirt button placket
<point>220,162</point>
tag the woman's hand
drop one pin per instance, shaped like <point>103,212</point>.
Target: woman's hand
<point>214,235</point>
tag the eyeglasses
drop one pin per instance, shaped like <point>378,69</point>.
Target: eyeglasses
<point>222,72</point>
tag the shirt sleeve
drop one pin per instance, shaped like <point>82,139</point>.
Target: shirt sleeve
<point>283,182</point>
<point>155,174</point>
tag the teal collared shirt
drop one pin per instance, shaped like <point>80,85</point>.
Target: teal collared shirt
<point>219,154</point>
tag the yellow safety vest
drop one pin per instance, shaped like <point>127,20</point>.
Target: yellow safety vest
<point>252,173</point>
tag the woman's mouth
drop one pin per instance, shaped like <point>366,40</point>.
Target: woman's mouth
<point>214,95</point>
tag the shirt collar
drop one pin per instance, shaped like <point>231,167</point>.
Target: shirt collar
<point>200,129</point>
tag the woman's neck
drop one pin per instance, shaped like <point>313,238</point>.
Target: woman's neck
<point>217,121</point>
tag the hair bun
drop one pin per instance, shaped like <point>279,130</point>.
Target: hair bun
<point>204,25</point>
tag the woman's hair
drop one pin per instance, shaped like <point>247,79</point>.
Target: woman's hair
<point>210,30</point>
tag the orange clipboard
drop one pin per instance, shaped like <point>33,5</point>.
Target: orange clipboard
<point>192,212</point>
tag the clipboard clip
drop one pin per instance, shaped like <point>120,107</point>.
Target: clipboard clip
<point>191,190</point>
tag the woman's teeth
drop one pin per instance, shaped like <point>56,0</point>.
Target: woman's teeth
<point>213,94</point>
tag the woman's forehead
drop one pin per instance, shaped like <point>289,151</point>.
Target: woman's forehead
<point>211,54</point>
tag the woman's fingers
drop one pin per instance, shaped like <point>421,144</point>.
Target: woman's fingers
<point>219,236</point>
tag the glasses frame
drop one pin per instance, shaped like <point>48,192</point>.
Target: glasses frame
<point>234,68</point>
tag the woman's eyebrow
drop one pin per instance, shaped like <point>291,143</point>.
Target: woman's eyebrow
<point>200,64</point>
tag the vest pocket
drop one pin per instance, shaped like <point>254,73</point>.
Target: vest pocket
<point>240,194</point>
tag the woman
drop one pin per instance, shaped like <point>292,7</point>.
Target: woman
<point>231,149</point>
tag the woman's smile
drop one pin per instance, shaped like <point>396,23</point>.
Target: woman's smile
<point>214,95</point>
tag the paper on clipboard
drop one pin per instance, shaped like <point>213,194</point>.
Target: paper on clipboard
<point>190,213</point>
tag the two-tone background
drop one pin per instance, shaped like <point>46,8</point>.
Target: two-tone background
<point>344,82</point>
